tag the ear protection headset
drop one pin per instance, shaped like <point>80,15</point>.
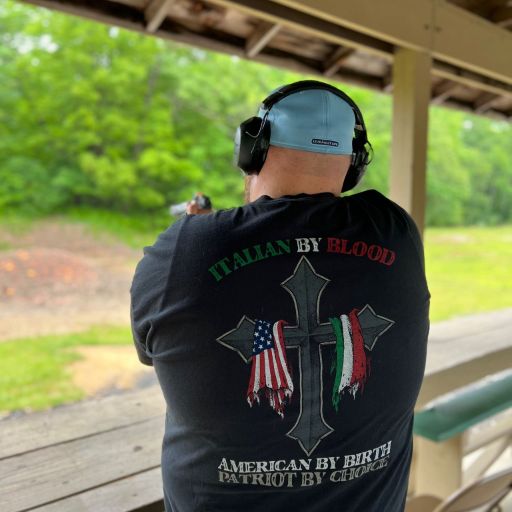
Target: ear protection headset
<point>252,137</point>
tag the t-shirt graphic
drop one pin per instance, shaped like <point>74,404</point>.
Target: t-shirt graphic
<point>264,344</point>
<point>289,338</point>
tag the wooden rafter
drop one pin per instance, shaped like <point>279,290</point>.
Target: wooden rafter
<point>440,28</point>
<point>443,91</point>
<point>503,16</point>
<point>484,102</point>
<point>131,14</point>
<point>336,59</point>
<point>261,36</point>
<point>155,13</point>
<point>387,80</point>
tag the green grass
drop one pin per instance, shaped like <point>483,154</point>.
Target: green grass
<point>16,222</point>
<point>468,269</point>
<point>33,371</point>
<point>135,231</point>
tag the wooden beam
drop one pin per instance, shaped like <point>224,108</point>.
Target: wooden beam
<point>411,96</point>
<point>484,102</point>
<point>278,61</point>
<point>387,81</point>
<point>443,91</point>
<point>155,13</point>
<point>438,468</point>
<point>261,36</point>
<point>465,371</point>
<point>122,15</point>
<point>463,106</point>
<point>449,33</point>
<point>502,16</point>
<point>208,15</point>
<point>130,18</point>
<point>470,79</point>
<point>314,27</point>
<point>131,3</point>
<point>336,59</point>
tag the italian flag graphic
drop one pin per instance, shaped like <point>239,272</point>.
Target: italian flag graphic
<point>351,363</point>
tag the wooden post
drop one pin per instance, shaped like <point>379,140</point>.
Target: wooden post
<point>411,97</point>
<point>438,466</point>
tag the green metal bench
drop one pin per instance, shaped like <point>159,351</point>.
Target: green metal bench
<point>441,433</point>
<point>458,411</point>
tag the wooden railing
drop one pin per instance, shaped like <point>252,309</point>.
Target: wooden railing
<point>477,416</point>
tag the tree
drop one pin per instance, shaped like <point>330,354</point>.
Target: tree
<point>103,117</point>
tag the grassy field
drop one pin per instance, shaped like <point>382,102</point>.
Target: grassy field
<point>468,271</point>
<point>33,373</point>
<point>135,231</point>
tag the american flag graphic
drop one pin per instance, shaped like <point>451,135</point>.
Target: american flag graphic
<point>269,371</point>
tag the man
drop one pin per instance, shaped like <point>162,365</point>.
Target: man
<point>289,334</point>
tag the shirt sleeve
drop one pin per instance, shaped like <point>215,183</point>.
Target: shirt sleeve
<point>150,281</point>
<point>413,233</point>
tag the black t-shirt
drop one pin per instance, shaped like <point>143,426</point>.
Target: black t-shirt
<point>289,337</point>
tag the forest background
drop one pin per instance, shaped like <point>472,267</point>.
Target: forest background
<point>93,116</point>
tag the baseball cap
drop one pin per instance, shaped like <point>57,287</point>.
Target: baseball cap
<point>312,120</point>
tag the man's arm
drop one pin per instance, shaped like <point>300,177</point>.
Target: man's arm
<point>150,281</point>
<point>413,233</point>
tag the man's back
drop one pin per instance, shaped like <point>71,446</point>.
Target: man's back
<point>289,338</point>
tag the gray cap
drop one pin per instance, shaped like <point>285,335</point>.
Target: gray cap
<point>312,120</point>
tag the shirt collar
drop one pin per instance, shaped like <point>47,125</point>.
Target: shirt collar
<point>292,197</point>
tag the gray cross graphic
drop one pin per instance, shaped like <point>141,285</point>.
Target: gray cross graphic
<point>308,336</point>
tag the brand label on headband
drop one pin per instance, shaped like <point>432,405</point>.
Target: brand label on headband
<point>324,142</point>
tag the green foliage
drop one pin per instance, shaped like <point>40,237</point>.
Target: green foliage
<point>448,182</point>
<point>98,116</point>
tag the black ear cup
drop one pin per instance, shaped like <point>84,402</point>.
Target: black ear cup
<point>360,160</point>
<point>252,140</point>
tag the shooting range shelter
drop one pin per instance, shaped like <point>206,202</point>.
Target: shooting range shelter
<point>455,53</point>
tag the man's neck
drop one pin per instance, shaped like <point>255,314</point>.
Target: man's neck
<point>274,190</point>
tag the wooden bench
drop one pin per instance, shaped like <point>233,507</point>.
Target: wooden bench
<point>443,433</point>
<point>100,455</point>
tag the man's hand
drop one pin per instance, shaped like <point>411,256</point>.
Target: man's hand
<point>193,208</point>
